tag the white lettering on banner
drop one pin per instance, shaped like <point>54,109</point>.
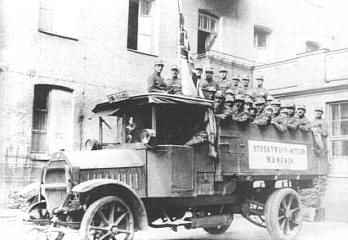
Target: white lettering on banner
<point>275,155</point>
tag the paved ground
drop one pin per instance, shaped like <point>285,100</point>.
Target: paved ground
<point>11,227</point>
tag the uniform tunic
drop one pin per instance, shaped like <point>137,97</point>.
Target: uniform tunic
<point>292,123</point>
<point>155,83</point>
<point>260,92</point>
<point>225,84</point>
<point>262,119</point>
<point>304,124</point>
<point>173,85</point>
<point>207,83</point>
<point>241,116</point>
<point>279,123</point>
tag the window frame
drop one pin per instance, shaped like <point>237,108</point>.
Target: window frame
<point>207,31</point>
<point>258,30</point>
<point>340,137</point>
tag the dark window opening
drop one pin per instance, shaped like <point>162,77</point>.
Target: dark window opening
<point>133,12</point>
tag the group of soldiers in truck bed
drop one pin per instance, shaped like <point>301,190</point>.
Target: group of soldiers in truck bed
<point>241,103</point>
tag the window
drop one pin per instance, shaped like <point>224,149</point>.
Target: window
<point>261,36</point>
<point>207,31</point>
<point>52,119</point>
<point>339,129</point>
<point>312,46</point>
<point>59,17</point>
<point>143,26</point>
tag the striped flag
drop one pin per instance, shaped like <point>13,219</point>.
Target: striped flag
<point>186,61</point>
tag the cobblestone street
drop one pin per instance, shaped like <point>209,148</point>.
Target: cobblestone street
<point>13,228</point>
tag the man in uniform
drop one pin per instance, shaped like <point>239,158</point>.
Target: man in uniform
<point>174,82</point>
<point>276,108</point>
<point>245,89</point>
<point>198,80</point>
<point>219,102</point>
<point>228,106</point>
<point>292,122</point>
<point>259,91</point>
<point>224,83</point>
<point>235,85</point>
<point>319,127</point>
<point>304,123</point>
<point>248,103</point>
<point>263,117</point>
<point>279,120</point>
<point>155,82</point>
<point>209,81</point>
<point>239,114</point>
<point>253,111</point>
<point>209,92</point>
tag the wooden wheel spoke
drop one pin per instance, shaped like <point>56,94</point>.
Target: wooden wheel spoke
<point>295,210</point>
<point>102,217</point>
<point>123,231</point>
<point>120,218</point>
<point>105,236</point>
<point>99,228</point>
<point>282,224</point>
<point>288,205</point>
<point>287,226</point>
<point>112,214</point>
<point>281,218</point>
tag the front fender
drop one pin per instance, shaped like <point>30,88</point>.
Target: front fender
<point>98,188</point>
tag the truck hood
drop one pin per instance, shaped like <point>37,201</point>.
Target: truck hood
<point>106,158</point>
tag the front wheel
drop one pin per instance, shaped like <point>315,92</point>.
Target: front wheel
<point>108,218</point>
<point>283,214</point>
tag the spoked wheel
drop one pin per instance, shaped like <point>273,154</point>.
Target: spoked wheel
<point>283,214</point>
<point>38,213</point>
<point>108,218</point>
<point>220,228</point>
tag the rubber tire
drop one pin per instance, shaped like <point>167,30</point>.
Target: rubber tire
<point>92,210</point>
<point>272,211</point>
<point>219,229</point>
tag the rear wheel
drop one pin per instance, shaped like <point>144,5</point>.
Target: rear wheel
<point>108,218</point>
<point>283,214</point>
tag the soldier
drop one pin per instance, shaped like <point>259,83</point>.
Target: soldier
<point>174,82</point>
<point>253,111</point>
<point>304,123</point>
<point>319,127</point>
<point>219,102</point>
<point>224,83</point>
<point>239,114</point>
<point>292,122</point>
<point>263,117</point>
<point>279,121</point>
<point>155,81</point>
<point>209,81</point>
<point>269,100</point>
<point>209,92</point>
<point>235,85</point>
<point>259,91</point>
<point>245,89</point>
<point>198,80</point>
<point>248,103</point>
<point>228,105</point>
<point>276,108</point>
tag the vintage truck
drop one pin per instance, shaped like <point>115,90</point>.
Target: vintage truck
<point>150,176</point>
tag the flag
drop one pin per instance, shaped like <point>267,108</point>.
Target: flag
<point>186,61</point>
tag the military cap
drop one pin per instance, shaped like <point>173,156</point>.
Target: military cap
<point>248,99</point>
<point>159,62</point>
<point>284,110</point>
<point>270,98</point>
<point>259,77</point>
<point>174,66</point>
<point>291,105</point>
<point>239,97</point>
<point>229,98</point>
<point>198,67</point>
<point>260,100</point>
<point>236,77</point>
<point>301,107</point>
<point>209,69</point>
<point>246,77</point>
<point>320,109</point>
<point>223,69</point>
<point>210,89</point>
<point>276,102</point>
<point>219,94</point>
<point>229,91</point>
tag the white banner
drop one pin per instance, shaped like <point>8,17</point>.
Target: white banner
<point>276,155</point>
